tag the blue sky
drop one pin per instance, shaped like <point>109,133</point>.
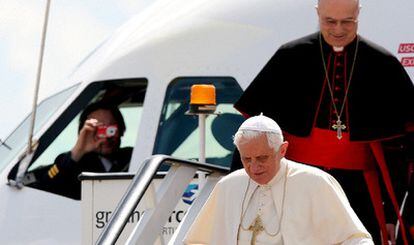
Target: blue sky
<point>75,28</point>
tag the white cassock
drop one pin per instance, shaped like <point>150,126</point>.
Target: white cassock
<point>300,205</point>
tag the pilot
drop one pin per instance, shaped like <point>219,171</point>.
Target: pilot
<point>97,149</point>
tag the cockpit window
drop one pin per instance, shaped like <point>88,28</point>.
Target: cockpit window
<point>59,139</point>
<point>178,132</point>
<point>127,94</point>
<point>67,138</point>
<point>18,139</point>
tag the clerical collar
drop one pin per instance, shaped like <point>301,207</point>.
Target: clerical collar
<point>328,48</point>
<point>278,176</point>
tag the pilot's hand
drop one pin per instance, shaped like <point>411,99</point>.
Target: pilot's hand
<point>87,142</point>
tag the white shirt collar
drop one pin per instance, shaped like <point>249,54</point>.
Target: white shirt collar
<point>106,163</point>
<point>338,49</point>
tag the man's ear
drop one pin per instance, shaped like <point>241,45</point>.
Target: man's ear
<point>283,148</point>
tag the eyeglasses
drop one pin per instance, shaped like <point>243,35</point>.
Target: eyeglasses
<point>331,23</point>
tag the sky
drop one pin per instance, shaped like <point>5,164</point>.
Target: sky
<point>75,28</point>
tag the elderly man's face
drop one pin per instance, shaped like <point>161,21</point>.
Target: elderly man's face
<point>260,161</point>
<point>338,20</point>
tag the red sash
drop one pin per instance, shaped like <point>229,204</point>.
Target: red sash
<point>322,148</point>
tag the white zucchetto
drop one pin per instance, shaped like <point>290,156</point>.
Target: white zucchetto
<point>260,123</point>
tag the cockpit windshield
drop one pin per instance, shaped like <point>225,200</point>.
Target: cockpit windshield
<point>178,132</point>
<point>18,139</point>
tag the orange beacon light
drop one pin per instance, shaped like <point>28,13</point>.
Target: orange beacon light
<point>203,99</point>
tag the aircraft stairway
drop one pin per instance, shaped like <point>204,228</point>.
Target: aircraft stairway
<point>148,229</point>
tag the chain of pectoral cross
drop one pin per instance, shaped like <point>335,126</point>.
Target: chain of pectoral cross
<point>338,126</point>
<point>258,226</point>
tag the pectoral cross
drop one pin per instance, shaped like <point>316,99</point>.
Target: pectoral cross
<point>256,228</point>
<point>339,127</point>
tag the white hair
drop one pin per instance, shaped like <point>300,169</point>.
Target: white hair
<point>274,139</point>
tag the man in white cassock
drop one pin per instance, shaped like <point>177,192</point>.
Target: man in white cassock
<point>274,200</point>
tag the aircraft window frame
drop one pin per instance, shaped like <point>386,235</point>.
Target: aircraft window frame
<point>90,93</point>
<point>176,102</point>
<point>116,91</point>
<point>17,140</point>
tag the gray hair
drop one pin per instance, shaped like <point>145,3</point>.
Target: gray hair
<point>274,140</point>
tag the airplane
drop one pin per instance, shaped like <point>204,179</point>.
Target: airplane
<point>148,67</point>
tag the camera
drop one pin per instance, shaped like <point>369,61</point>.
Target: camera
<point>106,131</point>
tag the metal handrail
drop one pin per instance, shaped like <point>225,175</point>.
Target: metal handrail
<point>136,190</point>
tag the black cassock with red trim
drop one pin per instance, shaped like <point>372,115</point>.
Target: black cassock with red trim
<point>363,84</point>
<point>288,89</point>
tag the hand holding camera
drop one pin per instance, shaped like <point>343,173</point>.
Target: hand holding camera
<point>91,136</point>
